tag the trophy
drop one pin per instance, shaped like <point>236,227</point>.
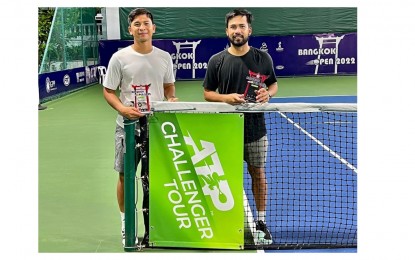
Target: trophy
<point>255,81</point>
<point>142,98</point>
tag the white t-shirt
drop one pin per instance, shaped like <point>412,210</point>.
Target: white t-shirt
<point>128,67</point>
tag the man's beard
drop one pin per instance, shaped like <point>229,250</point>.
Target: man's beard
<point>238,43</point>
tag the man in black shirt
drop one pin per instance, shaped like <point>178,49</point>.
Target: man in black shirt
<point>242,74</point>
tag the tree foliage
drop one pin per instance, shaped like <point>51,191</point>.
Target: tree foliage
<point>45,17</point>
<point>74,29</point>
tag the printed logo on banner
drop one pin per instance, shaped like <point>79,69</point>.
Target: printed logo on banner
<point>279,48</point>
<point>185,57</point>
<point>50,85</point>
<point>66,80</point>
<point>197,191</point>
<point>264,47</point>
<point>327,53</point>
<point>213,176</point>
<point>87,75</point>
<point>214,185</point>
<point>80,76</point>
<point>297,53</point>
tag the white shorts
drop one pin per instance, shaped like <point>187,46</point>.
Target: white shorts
<point>255,153</point>
<point>120,148</point>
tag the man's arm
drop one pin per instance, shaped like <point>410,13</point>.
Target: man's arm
<point>273,89</point>
<point>112,99</point>
<point>231,99</point>
<point>170,92</point>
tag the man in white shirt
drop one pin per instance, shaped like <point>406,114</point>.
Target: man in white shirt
<point>140,64</point>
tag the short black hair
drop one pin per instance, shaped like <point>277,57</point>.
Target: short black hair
<point>139,11</point>
<point>236,12</point>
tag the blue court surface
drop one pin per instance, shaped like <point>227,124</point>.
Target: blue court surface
<point>312,177</point>
<point>317,99</point>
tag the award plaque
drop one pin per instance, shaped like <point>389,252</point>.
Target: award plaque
<point>255,81</point>
<point>142,98</point>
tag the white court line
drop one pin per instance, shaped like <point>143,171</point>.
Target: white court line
<point>250,220</point>
<point>315,96</point>
<point>325,147</point>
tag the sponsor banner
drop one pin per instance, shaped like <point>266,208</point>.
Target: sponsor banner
<point>196,180</point>
<point>59,82</point>
<point>294,55</point>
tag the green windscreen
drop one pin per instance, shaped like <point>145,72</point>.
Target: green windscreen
<point>209,22</point>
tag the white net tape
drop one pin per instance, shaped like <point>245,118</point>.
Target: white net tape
<point>252,107</point>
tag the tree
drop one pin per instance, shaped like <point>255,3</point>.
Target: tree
<point>45,17</point>
<point>69,36</point>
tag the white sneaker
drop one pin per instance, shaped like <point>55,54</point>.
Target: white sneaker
<point>123,238</point>
<point>263,235</point>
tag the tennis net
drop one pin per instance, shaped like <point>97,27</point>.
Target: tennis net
<point>311,171</point>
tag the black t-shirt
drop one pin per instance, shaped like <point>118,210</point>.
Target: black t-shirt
<point>228,74</point>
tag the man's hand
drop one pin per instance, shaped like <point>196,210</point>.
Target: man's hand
<point>234,99</point>
<point>172,99</point>
<point>131,113</point>
<point>262,95</point>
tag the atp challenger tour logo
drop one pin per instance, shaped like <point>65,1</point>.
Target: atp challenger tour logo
<point>189,206</point>
<point>215,184</point>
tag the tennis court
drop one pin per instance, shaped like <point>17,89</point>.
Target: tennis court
<point>312,176</point>
<point>78,211</point>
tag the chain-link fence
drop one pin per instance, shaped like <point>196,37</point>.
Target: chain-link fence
<point>73,40</point>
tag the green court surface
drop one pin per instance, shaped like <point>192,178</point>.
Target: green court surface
<point>78,211</point>
<point>288,87</point>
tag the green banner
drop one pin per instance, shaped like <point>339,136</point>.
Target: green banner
<point>196,180</point>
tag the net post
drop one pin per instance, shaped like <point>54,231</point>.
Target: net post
<point>129,184</point>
